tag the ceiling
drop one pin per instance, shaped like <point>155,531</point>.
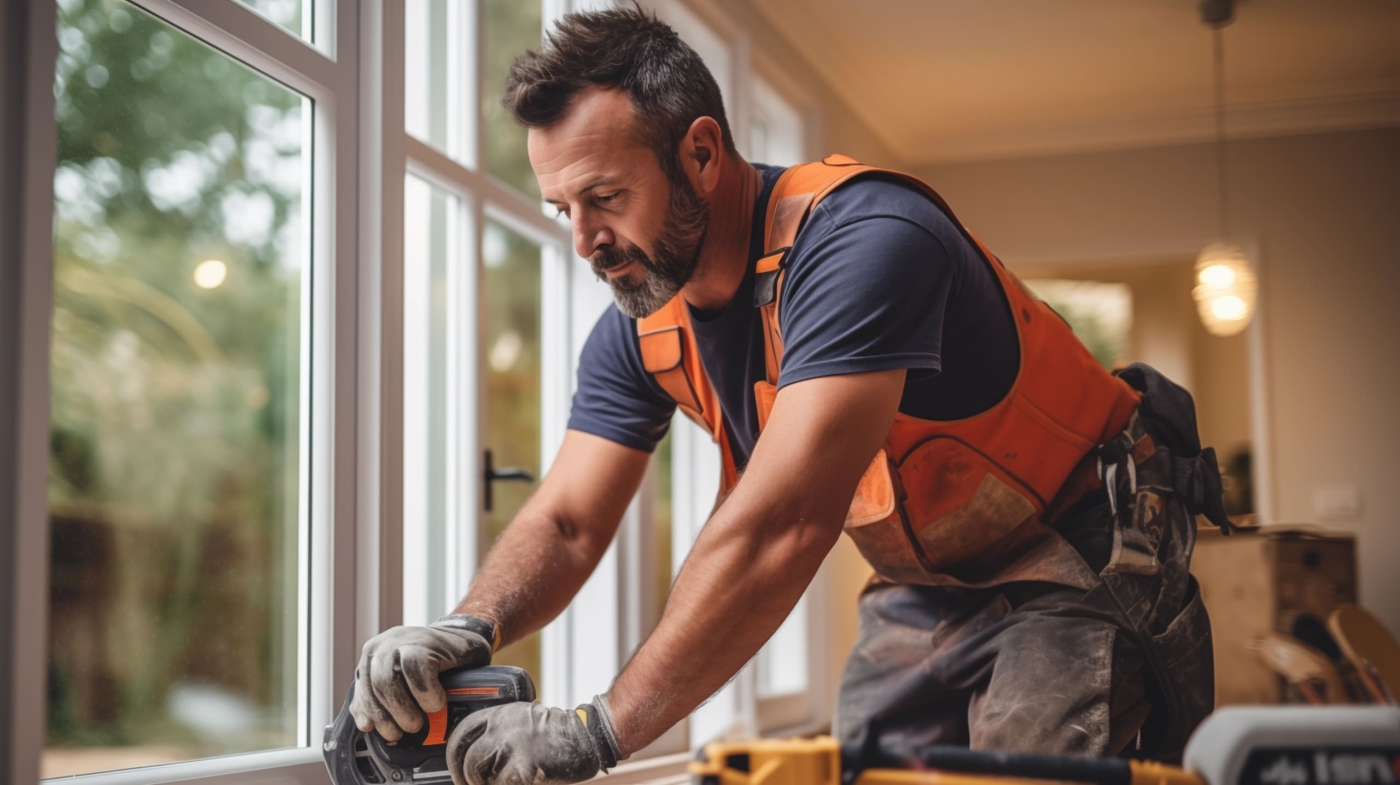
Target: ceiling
<point>943,80</point>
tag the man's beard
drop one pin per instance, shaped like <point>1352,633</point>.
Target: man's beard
<point>676,251</point>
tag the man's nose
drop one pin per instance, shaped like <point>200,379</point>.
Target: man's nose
<point>589,236</point>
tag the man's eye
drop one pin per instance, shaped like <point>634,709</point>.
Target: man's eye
<point>605,199</point>
<point>561,212</point>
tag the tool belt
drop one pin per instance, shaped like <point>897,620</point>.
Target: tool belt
<point>1156,479</point>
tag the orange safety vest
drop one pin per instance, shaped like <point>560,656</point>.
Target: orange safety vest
<point>960,502</point>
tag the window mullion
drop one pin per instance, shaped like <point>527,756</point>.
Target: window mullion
<point>234,28</point>
<point>380,602</point>
<point>505,203</point>
<point>467,281</point>
<point>469,94</point>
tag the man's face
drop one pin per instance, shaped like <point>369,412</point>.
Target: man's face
<point>640,231</point>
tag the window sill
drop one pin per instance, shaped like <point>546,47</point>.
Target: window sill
<point>665,769</point>
<point>293,767</point>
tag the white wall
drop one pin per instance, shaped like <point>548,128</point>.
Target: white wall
<point>1325,213</point>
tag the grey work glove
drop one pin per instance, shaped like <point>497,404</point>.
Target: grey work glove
<point>529,744</point>
<point>397,678</point>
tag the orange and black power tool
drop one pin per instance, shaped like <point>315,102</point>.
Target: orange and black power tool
<point>357,758</point>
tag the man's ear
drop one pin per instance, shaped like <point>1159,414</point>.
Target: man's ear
<point>701,150</point>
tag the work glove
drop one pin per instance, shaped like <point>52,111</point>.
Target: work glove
<point>397,678</point>
<point>529,744</point>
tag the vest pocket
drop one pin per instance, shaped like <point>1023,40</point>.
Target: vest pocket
<point>961,505</point>
<point>875,526</point>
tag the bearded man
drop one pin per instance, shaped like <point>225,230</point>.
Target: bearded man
<point>864,364</point>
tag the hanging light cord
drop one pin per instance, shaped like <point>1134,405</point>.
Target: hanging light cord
<point>1220,129</point>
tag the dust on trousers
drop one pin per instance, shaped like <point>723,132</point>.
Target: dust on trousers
<point>1121,663</point>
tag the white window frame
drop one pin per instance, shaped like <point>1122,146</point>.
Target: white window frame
<point>339,611</point>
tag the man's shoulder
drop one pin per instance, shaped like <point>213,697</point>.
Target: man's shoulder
<point>879,195</point>
<point>877,213</point>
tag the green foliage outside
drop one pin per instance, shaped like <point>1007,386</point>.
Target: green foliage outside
<point>512,28</point>
<point>175,471</point>
<point>1098,338</point>
<point>1100,313</point>
<point>174,464</point>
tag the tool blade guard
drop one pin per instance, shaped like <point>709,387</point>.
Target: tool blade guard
<point>357,758</point>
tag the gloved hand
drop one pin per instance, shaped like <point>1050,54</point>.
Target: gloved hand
<point>398,672</point>
<point>529,744</point>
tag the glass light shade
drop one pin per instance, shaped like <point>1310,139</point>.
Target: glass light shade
<point>1225,289</point>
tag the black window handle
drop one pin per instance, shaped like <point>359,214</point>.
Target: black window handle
<point>507,474</point>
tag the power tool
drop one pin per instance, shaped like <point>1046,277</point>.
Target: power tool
<point>357,758</point>
<point>1246,745</point>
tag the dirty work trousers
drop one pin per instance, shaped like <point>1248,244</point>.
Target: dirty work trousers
<point>1124,667</point>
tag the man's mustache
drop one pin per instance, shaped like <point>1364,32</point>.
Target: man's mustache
<point>609,258</point>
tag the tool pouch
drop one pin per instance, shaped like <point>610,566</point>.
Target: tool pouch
<point>1157,480</point>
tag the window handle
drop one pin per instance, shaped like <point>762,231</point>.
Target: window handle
<point>506,474</point>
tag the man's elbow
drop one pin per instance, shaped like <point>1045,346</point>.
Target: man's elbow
<point>576,536</point>
<point>801,537</point>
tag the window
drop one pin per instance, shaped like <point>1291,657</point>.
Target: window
<point>190,461</point>
<point>475,242</point>
<point>303,292</point>
<point>178,371</point>
<point>294,15</point>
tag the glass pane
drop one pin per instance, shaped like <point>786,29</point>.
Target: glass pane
<point>776,135</point>
<point>429,522</point>
<point>707,43</point>
<point>512,303</point>
<point>662,520</point>
<point>512,26</point>
<point>295,15</point>
<point>430,62</point>
<point>174,474</point>
<point>782,662</point>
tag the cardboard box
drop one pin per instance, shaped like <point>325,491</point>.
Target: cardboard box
<point>1263,579</point>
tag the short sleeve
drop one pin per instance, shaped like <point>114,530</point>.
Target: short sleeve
<point>616,398</point>
<point>866,286</point>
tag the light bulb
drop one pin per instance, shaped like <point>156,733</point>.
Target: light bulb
<point>1217,276</point>
<point>210,274</point>
<point>1225,289</point>
<point>1229,307</point>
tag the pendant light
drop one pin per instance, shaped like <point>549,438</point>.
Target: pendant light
<point>1226,288</point>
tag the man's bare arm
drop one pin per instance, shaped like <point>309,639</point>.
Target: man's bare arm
<point>551,547</point>
<point>759,551</point>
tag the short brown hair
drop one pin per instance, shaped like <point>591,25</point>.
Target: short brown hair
<point>626,49</point>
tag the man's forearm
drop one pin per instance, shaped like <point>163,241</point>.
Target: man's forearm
<point>759,552</point>
<point>549,550</point>
<point>738,585</point>
<point>537,566</point>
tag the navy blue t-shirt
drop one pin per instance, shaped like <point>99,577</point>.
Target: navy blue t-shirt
<point>879,278</point>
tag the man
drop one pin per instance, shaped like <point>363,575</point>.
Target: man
<point>1026,512</point>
